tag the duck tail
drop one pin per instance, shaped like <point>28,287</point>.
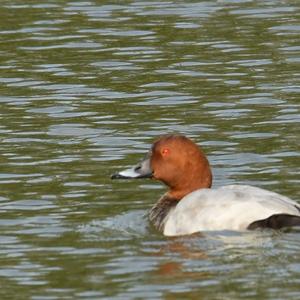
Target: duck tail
<point>277,221</point>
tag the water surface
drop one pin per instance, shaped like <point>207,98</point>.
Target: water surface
<point>85,88</point>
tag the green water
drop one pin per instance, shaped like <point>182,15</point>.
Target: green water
<point>85,87</point>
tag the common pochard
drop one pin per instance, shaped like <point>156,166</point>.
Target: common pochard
<point>190,205</point>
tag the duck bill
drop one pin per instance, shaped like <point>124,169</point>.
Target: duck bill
<point>141,170</point>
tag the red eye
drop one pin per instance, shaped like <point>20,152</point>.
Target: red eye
<point>165,151</point>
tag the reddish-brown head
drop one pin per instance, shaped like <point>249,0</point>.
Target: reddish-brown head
<point>180,164</point>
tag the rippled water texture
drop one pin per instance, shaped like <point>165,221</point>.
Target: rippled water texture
<point>86,86</point>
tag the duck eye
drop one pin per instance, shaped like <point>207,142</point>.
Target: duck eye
<point>165,151</point>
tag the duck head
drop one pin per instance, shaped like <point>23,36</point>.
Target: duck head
<point>176,161</point>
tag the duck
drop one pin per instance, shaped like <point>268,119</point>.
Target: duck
<point>191,205</point>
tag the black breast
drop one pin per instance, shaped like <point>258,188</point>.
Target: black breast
<point>160,210</point>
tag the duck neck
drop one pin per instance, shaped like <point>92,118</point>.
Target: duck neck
<point>161,209</point>
<point>198,179</point>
